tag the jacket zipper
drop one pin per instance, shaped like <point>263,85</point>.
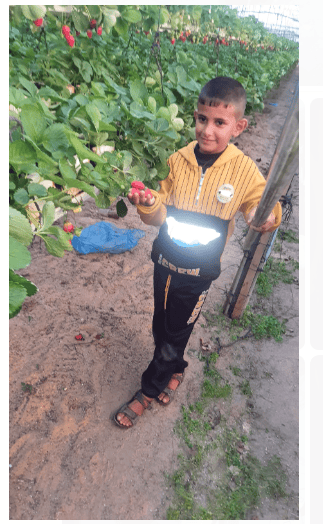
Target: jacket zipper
<point>200,186</point>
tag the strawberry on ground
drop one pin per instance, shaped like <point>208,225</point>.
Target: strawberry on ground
<point>68,227</point>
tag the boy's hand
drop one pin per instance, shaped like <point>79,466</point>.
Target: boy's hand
<point>265,226</point>
<point>140,195</point>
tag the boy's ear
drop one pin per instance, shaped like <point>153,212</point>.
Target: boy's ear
<point>240,126</point>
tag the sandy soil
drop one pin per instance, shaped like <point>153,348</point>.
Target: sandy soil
<point>68,460</point>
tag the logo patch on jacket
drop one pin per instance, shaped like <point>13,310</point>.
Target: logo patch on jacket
<point>225,193</point>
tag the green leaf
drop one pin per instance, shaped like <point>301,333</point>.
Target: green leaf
<point>66,169</point>
<point>121,27</point>
<point>32,12</point>
<point>79,184</point>
<point>29,286</point>
<point>94,114</point>
<point>19,227</point>
<point>29,86</point>
<point>33,121</point>
<point>82,152</point>
<point>48,213</point>
<point>48,92</point>
<point>98,89</point>
<point>121,208</point>
<point>53,246</point>
<point>37,190</point>
<point>55,139</point>
<point>21,153</point>
<point>19,256</point>
<point>138,111</point>
<point>17,295</point>
<point>118,89</point>
<point>131,15</point>
<point>109,21</point>
<point>102,200</point>
<point>40,155</point>
<point>181,75</point>
<point>16,97</point>
<point>173,110</point>
<point>86,72</point>
<point>159,125</point>
<point>137,90</point>
<point>21,197</point>
<point>164,16</point>
<point>61,236</point>
<point>152,104</point>
<point>81,21</point>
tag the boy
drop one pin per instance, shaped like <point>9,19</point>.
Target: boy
<point>209,181</point>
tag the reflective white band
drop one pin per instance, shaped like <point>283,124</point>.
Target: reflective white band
<point>189,234</point>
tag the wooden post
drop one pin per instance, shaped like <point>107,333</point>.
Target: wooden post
<point>281,171</point>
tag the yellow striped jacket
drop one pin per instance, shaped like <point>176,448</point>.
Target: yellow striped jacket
<point>181,187</point>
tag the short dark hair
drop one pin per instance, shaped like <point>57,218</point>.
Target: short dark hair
<point>225,90</point>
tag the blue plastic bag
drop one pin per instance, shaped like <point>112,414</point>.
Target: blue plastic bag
<point>106,238</point>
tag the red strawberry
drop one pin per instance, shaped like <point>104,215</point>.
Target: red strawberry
<point>68,227</point>
<point>148,193</point>
<point>173,41</point>
<point>146,33</point>
<point>70,40</point>
<point>65,30</point>
<point>78,33</point>
<point>93,23</point>
<point>79,337</point>
<point>89,33</point>
<point>38,22</point>
<point>138,185</point>
<point>99,31</point>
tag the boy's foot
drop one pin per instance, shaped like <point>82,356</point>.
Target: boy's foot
<point>167,395</point>
<point>128,414</point>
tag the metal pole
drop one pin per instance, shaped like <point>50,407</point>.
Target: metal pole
<point>281,170</point>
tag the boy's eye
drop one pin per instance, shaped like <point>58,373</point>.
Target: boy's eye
<point>220,122</point>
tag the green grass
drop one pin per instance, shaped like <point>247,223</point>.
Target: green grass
<point>261,326</point>
<point>274,272</point>
<point>244,483</point>
<point>26,387</point>
<point>245,388</point>
<point>288,236</point>
<point>217,477</point>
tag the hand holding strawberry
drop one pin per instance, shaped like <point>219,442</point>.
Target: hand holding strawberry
<point>140,195</point>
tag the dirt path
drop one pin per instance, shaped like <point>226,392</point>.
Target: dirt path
<point>68,461</point>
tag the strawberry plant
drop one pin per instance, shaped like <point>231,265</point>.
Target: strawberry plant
<point>101,96</point>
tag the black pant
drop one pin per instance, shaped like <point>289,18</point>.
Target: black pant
<point>178,300</point>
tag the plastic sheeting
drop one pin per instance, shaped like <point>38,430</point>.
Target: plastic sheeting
<point>106,238</point>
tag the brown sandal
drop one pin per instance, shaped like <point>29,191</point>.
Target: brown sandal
<point>129,413</point>
<point>171,392</point>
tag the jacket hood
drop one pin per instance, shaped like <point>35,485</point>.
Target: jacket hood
<point>229,153</point>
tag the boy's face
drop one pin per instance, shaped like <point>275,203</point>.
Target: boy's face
<point>215,125</point>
